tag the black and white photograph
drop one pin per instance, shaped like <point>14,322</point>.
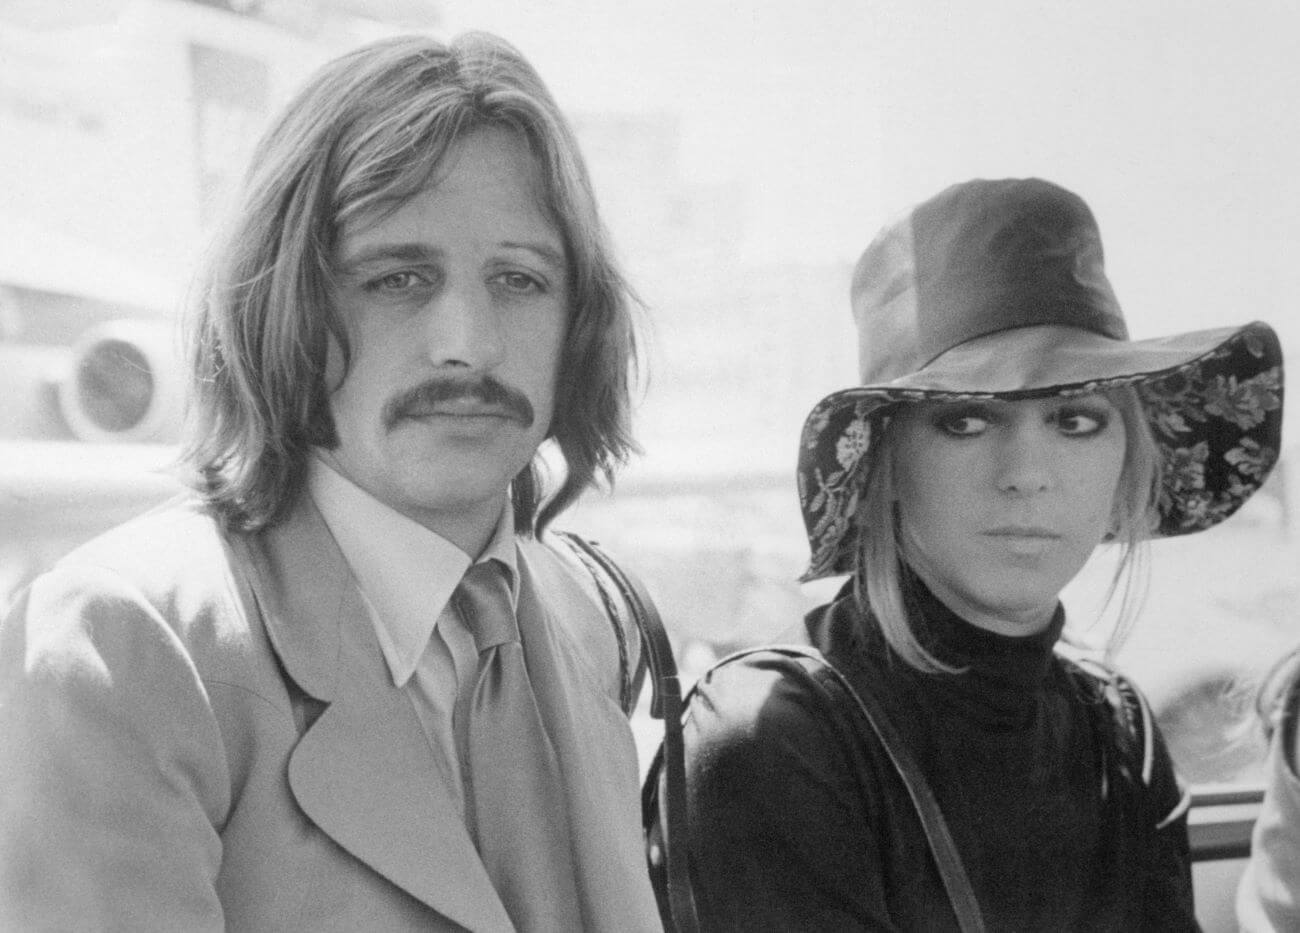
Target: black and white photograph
<point>663,465</point>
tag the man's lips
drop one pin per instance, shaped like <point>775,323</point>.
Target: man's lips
<point>460,408</point>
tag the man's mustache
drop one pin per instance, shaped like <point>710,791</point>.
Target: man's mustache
<point>419,401</point>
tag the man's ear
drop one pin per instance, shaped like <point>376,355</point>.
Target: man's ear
<point>336,362</point>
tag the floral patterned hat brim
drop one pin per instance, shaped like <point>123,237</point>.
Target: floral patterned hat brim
<point>1216,418</point>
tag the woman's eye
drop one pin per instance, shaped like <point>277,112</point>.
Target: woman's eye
<point>1080,423</point>
<point>964,424</point>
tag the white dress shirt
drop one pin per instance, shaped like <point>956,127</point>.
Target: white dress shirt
<point>407,574</point>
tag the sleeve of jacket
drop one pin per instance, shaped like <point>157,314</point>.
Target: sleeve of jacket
<point>780,834</point>
<point>113,781</point>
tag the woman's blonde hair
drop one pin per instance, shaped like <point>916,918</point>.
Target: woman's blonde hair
<point>878,580</point>
<point>368,131</point>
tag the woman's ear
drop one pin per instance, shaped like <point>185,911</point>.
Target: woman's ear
<point>1116,524</point>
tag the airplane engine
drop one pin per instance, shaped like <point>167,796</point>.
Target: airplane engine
<point>123,384</point>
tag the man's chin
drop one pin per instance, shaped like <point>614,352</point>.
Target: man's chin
<point>457,472</point>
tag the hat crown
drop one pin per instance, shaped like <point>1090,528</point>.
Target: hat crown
<point>978,258</point>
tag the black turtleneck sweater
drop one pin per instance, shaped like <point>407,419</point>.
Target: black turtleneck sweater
<point>799,821</point>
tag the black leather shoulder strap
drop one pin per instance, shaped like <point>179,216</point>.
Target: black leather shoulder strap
<point>621,609</point>
<point>665,704</point>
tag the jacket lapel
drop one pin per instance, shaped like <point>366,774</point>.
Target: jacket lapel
<point>363,771</point>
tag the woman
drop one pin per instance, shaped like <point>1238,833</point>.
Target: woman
<point>1005,426</point>
<point>1268,897</point>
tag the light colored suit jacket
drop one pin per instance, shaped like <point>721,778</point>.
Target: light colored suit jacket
<point>198,732</point>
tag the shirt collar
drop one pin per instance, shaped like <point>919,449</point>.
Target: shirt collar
<point>406,573</point>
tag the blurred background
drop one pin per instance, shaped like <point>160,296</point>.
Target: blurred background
<point>744,154</point>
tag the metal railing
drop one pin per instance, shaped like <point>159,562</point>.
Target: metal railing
<point>1221,820</point>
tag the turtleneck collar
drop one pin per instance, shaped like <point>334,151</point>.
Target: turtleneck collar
<point>999,662</point>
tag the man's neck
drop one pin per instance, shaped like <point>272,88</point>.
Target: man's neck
<point>470,530</point>
<point>468,525</point>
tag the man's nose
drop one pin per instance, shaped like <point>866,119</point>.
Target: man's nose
<point>464,329</point>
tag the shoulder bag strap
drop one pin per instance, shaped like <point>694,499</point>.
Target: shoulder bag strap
<point>946,857</point>
<point>665,704</point>
<point>612,595</point>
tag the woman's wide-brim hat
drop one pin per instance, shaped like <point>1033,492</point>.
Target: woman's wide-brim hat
<point>997,290</point>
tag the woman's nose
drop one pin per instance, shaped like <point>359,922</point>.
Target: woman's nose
<point>1025,463</point>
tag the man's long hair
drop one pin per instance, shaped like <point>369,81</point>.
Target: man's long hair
<point>368,131</point>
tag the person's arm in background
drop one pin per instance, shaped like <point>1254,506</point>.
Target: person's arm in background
<point>1268,897</point>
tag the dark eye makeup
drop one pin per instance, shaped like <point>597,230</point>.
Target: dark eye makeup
<point>971,419</point>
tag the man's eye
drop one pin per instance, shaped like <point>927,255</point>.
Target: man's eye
<point>396,281</point>
<point>520,282</point>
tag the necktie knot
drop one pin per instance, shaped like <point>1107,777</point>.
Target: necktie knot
<point>483,598</point>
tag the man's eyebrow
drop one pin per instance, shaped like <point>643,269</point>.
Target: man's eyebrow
<point>544,251</point>
<point>419,252</point>
<point>387,252</point>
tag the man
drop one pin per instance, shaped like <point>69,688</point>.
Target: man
<point>273,705</point>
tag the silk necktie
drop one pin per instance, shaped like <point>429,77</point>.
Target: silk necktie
<point>514,804</point>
